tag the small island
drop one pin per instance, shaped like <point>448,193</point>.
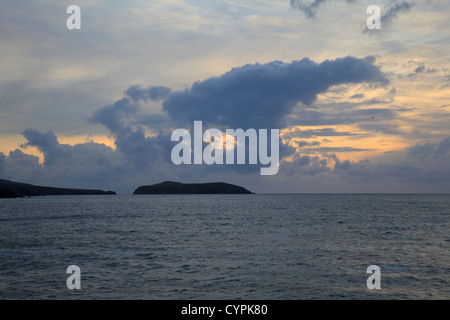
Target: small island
<point>11,189</point>
<point>170,187</point>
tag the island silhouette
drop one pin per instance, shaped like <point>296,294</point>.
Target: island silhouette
<point>11,189</point>
<point>171,187</point>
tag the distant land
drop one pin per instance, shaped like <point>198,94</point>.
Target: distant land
<point>11,189</point>
<point>170,187</point>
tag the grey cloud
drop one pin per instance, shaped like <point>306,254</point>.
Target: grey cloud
<point>430,151</point>
<point>114,115</point>
<point>357,96</point>
<point>306,165</point>
<point>154,93</point>
<point>334,149</point>
<point>82,165</point>
<point>47,143</point>
<point>421,165</point>
<point>261,96</point>
<point>256,96</point>
<point>393,11</point>
<point>310,7</point>
<point>122,119</point>
<point>421,69</point>
<point>21,167</point>
<point>304,143</point>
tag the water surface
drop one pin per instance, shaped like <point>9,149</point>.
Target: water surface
<point>297,246</point>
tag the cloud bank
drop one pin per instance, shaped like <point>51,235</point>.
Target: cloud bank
<point>262,95</point>
<point>251,96</point>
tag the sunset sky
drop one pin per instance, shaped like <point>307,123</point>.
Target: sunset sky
<point>359,110</point>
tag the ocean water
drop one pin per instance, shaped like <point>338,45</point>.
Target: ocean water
<point>263,246</point>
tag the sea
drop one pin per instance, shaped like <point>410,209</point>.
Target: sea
<point>233,247</point>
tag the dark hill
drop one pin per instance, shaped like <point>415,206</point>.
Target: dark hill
<point>170,187</point>
<point>11,189</point>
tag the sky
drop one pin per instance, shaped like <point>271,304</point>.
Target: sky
<point>358,110</point>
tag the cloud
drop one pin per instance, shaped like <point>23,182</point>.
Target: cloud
<point>325,132</point>
<point>334,149</point>
<point>47,143</point>
<point>122,119</point>
<point>307,165</point>
<point>421,68</point>
<point>310,7</point>
<point>251,96</point>
<point>357,96</point>
<point>420,165</point>
<point>430,151</point>
<point>262,95</point>
<point>154,93</point>
<point>83,165</point>
<point>392,12</point>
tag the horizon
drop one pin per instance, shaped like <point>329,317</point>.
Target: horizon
<point>358,110</point>
<point>274,193</point>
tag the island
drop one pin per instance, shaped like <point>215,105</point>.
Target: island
<point>11,189</point>
<point>171,187</point>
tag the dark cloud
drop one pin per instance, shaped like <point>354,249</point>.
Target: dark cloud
<point>20,166</point>
<point>85,165</point>
<point>430,151</point>
<point>122,119</point>
<point>421,68</point>
<point>391,12</point>
<point>357,96</point>
<point>154,93</point>
<point>310,7</point>
<point>114,116</point>
<point>47,143</point>
<point>307,165</point>
<point>304,143</point>
<point>262,95</point>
